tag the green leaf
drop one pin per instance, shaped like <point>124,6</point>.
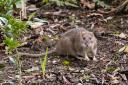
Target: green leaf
<point>70,4</point>
<point>11,43</point>
<point>66,62</point>
<point>2,64</point>
<point>101,3</point>
<point>15,27</point>
<point>12,29</point>
<point>45,1</point>
<point>31,16</point>
<point>110,69</point>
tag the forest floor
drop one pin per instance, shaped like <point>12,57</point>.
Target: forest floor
<point>111,32</point>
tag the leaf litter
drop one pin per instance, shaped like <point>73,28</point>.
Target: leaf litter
<point>112,51</point>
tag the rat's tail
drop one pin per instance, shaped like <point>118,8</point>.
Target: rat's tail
<point>51,52</point>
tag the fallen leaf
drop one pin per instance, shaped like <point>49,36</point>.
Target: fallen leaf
<point>65,80</point>
<point>32,69</point>
<point>12,60</point>
<point>36,24</point>
<point>2,64</point>
<point>114,80</point>
<point>28,77</point>
<point>95,14</point>
<point>40,20</point>
<point>122,35</point>
<point>108,18</point>
<point>124,49</point>
<point>32,8</point>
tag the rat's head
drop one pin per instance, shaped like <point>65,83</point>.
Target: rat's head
<point>86,38</point>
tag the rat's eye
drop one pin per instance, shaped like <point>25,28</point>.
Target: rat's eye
<point>84,38</point>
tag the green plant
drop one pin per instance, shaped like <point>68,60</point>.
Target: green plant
<point>15,27</point>
<point>102,3</point>
<point>11,44</point>
<point>72,3</point>
<point>18,63</point>
<point>110,69</point>
<point>12,31</point>
<point>43,62</point>
<point>7,6</point>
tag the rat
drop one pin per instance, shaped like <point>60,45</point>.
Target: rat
<point>75,42</point>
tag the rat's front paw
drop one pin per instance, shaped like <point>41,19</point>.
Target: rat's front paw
<point>87,58</point>
<point>95,59</point>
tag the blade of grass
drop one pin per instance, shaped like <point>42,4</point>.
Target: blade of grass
<point>31,16</point>
<point>43,62</point>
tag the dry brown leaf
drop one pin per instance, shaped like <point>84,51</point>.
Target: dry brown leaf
<point>36,25</point>
<point>95,14</point>
<point>32,8</point>
<point>39,39</point>
<point>65,80</point>
<point>124,49</point>
<point>114,80</point>
<point>99,29</point>
<point>123,35</point>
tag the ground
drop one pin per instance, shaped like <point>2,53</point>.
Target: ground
<point>106,71</point>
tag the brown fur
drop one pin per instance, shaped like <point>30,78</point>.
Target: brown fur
<point>74,42</point>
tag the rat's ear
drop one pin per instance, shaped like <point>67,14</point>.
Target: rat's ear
<point>82,33</point>
<point>91,33</point>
